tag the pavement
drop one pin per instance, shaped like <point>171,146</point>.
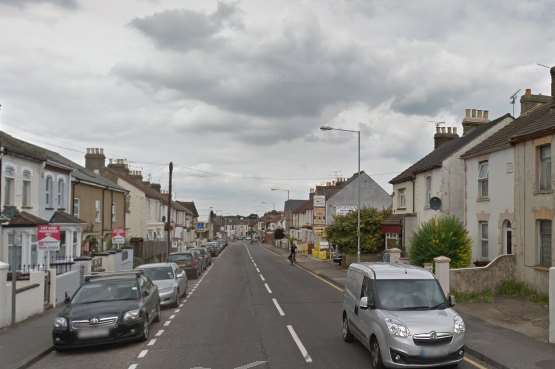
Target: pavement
<point>499,347</point>
<point>252,309</point>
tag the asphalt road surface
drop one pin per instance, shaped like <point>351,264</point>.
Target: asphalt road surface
<point>251,309</point>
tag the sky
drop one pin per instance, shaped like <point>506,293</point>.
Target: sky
<point>234,92</point>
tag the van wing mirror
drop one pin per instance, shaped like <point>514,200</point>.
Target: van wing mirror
<point>451,300</point>
<point>363,303</point>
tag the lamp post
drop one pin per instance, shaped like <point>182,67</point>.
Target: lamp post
<point>327,128</point>
<point>281,189</point>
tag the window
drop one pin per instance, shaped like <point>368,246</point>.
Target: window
<point>76,207</point>
<point>113,213</point>
<point>544,167</point>
<point>97,209</point>
<point>483,180</point>
<point>367,290</point>
<point>49,191</point>
<point>61,187</point>
<point>15,250</point>
<point>128,203</point>
<point>26,201</point>
<point>484,240</point>
<point>428,191</point>
<point>544,242</point>
<point>34,254</point>
<point>401,200</point>
<point>9,186</point>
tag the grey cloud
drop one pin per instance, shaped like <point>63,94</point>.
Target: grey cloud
<point>185,30</point>
<point>70,4</point>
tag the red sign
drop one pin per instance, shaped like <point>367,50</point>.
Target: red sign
<point>48,237</point>
<point>118,235</point>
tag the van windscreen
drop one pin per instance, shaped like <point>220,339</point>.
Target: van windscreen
<point>409,294</point>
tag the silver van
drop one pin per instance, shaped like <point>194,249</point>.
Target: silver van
<point>400,313</point>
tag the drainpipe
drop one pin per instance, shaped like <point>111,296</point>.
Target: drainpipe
<point>102,211</point>
<point>413,201</point>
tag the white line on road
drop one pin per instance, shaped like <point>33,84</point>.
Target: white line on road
<point>251,365</point>
<point>151,342</point>
<point>262,277</point>
<point>267,288</point>
<point>167,322</point>
<point>257,270</point>
<point>181,305</point>
<point>279,309</point>
<point>299,344</point>
<point>142,354</point>
<point>159,333</point>
<point>171,317</point>
<point>177,310</point>
<point>133,366</point>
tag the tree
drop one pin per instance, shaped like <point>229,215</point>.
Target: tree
<point>343,233</point>
<point>441,236</point>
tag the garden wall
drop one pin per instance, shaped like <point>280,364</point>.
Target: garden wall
<point>478,279</point>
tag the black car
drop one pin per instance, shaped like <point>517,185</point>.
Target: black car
<point>108,308</point>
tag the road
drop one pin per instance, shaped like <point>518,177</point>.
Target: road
<point>250,310</point>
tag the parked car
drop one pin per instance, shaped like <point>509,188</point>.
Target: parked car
<point>400,314</point>
<point>187,261</point>
<point>207,259</point>
<point>108,308</point>
<point>199,258</point>
<point>171,281</point>
<point>214,248</point>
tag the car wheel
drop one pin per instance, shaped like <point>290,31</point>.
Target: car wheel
<point>157,317</point>
<point>346,332</point>
<point>146,330</point>
<point>176,303</point>
<point>375,355</point>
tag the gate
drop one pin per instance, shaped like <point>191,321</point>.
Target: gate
<point>47,288</point>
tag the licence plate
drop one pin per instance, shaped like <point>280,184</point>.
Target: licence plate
<point>93,333</point>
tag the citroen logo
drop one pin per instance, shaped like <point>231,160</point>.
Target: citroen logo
<point>94,321</point>
<point>433,335</point>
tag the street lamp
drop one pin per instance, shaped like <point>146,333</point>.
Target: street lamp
<point>328,128</point>
<point>281,189</point>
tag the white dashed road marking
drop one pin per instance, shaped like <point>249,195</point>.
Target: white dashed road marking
<point>142,354</point>
<point>279,309</point>
<point>171,317</point>
<point>151,342</point>
<point>159,333</point>
<point>267,288</point>
<point>299,344</point>
<point>167,322</point>
<point>133,366</point>
<point>262,277</point>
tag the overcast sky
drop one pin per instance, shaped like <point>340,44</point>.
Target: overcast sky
<point>234,91</point>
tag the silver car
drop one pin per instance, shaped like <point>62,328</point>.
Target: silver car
<point>171,282</point>
<point>400,314</point>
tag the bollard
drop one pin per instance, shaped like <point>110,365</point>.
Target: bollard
<point>442,272</point>
<point>552,305</point>
<point>394,255</point>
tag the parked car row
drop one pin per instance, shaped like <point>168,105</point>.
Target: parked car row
<point>216,247</point>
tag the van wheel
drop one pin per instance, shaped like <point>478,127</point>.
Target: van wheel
<point>345,331</point>
<point>375,355</point>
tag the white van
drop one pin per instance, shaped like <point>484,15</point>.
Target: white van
<point>402,316</point>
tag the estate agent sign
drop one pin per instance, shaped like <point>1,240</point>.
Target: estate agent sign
<point>48,237</point>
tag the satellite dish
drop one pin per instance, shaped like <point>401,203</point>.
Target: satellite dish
<point>435,203</point>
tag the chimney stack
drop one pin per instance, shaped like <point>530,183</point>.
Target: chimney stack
<point>95,159</point>
<point>528,101</point>
<point>156,186</point>
<point>444,135</point>
<point>119,164</point>
<point>474,118</point>
<point>136,174</point>
<point>552,70</point>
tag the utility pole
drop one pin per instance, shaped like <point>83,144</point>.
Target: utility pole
<point>168,220</point>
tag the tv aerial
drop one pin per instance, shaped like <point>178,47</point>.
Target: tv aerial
<point>513,99</point>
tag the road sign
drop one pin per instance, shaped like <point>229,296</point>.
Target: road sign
<point>319,201</point>
<point>200,226</point>
<point>118,236</point>
<point>48,237</point>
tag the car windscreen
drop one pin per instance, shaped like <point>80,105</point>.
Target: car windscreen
<point>159,274</point>
<point>107,290</point>
<point>180,257</point>
<point>409,294</point>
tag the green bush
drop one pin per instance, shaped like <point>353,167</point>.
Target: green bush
<point>512,288</point>
<point>343,233</point>
<point>441,236</point>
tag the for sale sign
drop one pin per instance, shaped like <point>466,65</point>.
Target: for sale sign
<point>118,236</point>
<point>48,237</point>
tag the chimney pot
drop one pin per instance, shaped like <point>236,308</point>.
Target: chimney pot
<point>467,113</point>
<point>552,70</point>
<point>455,130</point>
<point>486,114</point>
<point>528,92</point>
